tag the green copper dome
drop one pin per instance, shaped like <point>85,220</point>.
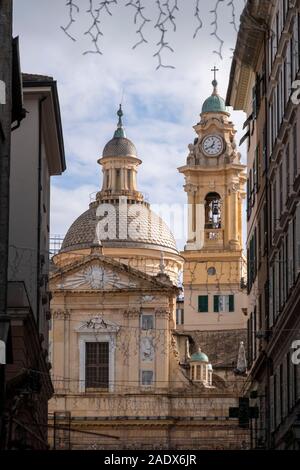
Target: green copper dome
<point>199,356</point>
<point>215,103</point>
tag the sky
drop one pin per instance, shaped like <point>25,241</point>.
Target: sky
<point>160,106</point>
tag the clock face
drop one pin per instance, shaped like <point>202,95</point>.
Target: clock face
<point>212,145</point>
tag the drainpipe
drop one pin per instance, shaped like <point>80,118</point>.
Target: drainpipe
<point>39,217</point>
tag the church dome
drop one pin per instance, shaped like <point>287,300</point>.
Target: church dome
<point>199,356</point>
<point>214,103</point>
<point>140,228</point>
<point>119,147</point>
<point>153,233</point>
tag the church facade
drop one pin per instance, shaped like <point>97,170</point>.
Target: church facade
<point>125,375</point>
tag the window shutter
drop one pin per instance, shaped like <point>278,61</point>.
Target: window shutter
<point>216,303</point>
<point>231,303</point>
<point>203,303</point>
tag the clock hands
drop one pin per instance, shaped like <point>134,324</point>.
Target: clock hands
<point>212,145</point>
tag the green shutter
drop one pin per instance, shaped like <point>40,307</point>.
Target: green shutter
<point>203,303</point>
<point>216,303</point>
<point>231,303</point>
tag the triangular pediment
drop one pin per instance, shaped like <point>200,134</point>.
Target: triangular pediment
<point>97,272</point>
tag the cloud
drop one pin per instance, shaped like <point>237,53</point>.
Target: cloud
<point>160,106</point>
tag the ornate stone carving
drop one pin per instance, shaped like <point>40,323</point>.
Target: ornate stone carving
<point>95,277</point>
<point>60,314</point>
<point>132,312</point>
<point>162,312</point>
<point>174,348</point>
<point>191,188</point>
<point>147,349</point>
<point>98,324</point>
<point>191,159</point>
<point>147,298</point>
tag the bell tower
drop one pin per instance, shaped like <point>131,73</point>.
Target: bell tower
<point>215,267</point>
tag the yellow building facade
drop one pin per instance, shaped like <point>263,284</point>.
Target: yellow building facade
<point>124,376</point>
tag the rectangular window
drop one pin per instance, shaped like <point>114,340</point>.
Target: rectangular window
<point>257,165</point>
<point>248,199</point>
<point>252,260</point>
<point>265,150</point>
<point>223,303</point>
<point>254,172</point>
<point>147,321</point>
<point>128,179</point>
<point>254,331</point>
<point>179,316</point>
<point>97,365</point>
<point>118,178</point>
<point>147,377</point>
<point>259,242</point>
<point>203,303</point>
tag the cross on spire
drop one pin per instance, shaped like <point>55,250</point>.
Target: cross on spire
<point>214,82</point>
<point>215,70</point>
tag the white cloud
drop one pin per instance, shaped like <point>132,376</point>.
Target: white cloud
<point>160,106</point>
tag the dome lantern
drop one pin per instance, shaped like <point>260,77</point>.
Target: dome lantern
<point>119,145</point>
<point>200,368</point>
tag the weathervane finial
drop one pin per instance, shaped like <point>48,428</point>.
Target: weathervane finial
<point>120,132</point>
<point>214,82</point>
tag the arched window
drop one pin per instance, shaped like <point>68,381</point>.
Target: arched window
<point>213,211</point>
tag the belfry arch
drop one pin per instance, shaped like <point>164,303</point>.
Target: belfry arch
<point>213,214</point>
